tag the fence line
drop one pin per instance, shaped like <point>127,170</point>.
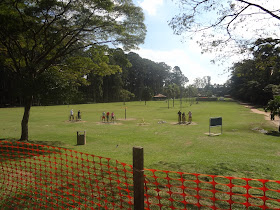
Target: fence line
<point>39,176</point>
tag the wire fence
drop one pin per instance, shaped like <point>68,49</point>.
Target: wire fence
<point>45,177</point>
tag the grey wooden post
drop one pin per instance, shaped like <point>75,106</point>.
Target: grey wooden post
<point>138,178</point>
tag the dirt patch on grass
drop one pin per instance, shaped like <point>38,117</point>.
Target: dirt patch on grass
<point>176,123</point>
<point>143,124</point>
<point>266,116</point>
<point>212,134</point>
<point>108,123</point>
<point>74,121</point>
<point>260,130</point>
<point>188,143</point>
<point>253,109</point>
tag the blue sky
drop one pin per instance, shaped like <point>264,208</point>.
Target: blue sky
<point>161,45</point>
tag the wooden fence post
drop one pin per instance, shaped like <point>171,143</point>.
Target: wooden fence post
<point>138,178</point>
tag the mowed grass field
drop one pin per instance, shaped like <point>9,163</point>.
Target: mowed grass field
<point>241,151</point>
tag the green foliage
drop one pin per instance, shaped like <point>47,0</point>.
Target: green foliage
<point>274,106</point>
<point>147,94</point>
<point>256,80</point>
<point>177,77</point>
<point>125,95</point>
<point>172,90</point>
<point>206,99</point>
<point>191,91</point>
<point>41,40</point>
<point>99,56</point>
<point>145,73</point>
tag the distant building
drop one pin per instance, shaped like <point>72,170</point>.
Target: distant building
<point>159,97</point>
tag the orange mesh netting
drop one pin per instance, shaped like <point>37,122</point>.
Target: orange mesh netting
<point>45,177</point>
<point>38,177</point>
<point>178,190</point>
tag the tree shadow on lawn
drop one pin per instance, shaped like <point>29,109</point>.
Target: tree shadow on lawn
<point>11,149</point>
<point>273,133</point>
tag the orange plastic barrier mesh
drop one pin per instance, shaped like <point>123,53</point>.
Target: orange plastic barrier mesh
<point>178,190</point>
<point>46,177</point>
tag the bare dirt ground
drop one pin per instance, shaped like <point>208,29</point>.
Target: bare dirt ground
<point>108,123</point>
<point>187,123</point>
<point>74,121</point>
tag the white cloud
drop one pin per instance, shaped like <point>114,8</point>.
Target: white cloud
<point>189,67</point>
<point>151,6</point>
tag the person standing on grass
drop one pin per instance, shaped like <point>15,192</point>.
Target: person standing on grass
<point>79,115</point>
<point>112,116</point>
<point>190,116</point>
<point>107,116</point>
<point>103,117</point>
<point>184,118</point>
<point>71,115</point>
<point>179,116</point>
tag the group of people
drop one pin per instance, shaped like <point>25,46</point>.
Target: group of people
<point>78,117</point>
<point>105,116</point>
<point>108,116</point>
<point>182,117</point>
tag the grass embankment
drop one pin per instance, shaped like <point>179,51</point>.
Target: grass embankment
<point>242,150</point>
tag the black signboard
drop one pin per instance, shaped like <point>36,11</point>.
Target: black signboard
<point>217,121</point>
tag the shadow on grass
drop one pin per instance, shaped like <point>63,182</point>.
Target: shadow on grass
<point>11,149</point>
<point>273,133</point>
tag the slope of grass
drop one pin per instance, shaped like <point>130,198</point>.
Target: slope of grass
<point>240,151</point>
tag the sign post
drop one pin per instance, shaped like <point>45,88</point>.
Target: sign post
<point>125,113</point>
<point>216,121</point>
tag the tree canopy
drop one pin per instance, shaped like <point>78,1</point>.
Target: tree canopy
<point>42,41</point>
<point>255,80</point>
<point>226,23</point>
<point>274,107</point>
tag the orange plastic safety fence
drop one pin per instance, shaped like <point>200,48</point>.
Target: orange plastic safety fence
<point>45,177</point>
<point>178,190</point>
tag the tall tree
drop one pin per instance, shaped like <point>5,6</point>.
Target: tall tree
<point>145,73</point>
<point>40,36</point>
<point>147,94</point>
<point>177,77</point>
<point>172,90</point>
<point>125,95</point>
<point>99,76</point>
<point>252,79</point>
<point>226,23</point>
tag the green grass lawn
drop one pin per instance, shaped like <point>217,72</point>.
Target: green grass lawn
<point>242,150</point>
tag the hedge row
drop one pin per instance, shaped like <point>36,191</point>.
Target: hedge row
<point>206,99</point>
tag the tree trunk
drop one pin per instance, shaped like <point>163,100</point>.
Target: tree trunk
<point>25,119</point>
<point>173,101</point>
<point>168,103</point>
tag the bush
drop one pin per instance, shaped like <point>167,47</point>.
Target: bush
<point>206,99</point>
